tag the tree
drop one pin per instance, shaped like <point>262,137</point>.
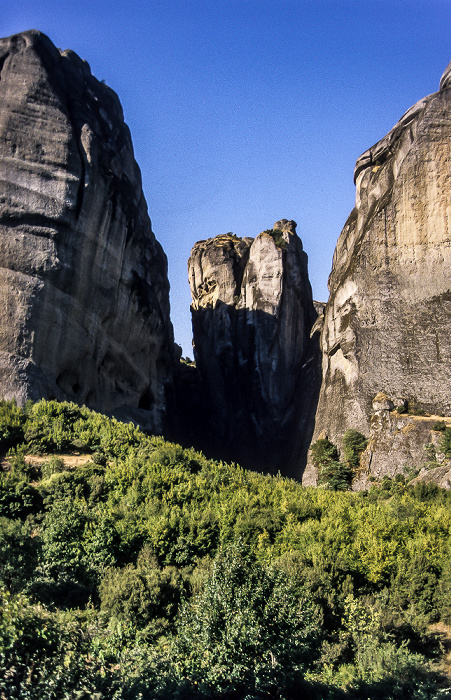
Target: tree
<point>144,594</point>
<point>336,476</point>
<point>249,631</point>
<point>332,473</point>
<point>446,442</point>
<point>323,451</point>
<point>354,443</point>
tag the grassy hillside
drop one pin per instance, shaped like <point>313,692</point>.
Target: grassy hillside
<point>132,568</point>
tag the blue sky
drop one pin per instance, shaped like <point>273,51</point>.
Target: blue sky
<point>243,112</point>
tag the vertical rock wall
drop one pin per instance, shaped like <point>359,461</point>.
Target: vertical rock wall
<point>252,314</point>
<point>83,281</point>
<point>388,319</point>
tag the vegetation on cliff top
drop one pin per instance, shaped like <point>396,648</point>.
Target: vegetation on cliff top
<point>132,568</point>
<point>277,235</point>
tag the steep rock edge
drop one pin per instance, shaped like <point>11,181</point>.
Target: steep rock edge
<point>252,314</point>
<point>387,322</point>
<point>83,281</point>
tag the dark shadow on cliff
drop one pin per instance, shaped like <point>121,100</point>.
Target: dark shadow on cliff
<point>252,396</point>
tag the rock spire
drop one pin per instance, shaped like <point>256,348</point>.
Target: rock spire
<point>252,313</point>
<point>83,281</point>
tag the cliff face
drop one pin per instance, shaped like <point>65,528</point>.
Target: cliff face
<point>83,282</point>
<point>403,443</point>
<point>388,319</point>
<point>252,313</point>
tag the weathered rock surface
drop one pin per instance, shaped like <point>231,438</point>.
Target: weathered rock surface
<point>439,476</point>
<point>402,443</point>
<point>83,282</point>
<point>252,314</point>
<point>387,324</point>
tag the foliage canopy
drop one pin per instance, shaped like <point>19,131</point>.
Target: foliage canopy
<point>131,567</point>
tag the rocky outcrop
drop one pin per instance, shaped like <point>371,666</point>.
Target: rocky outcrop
<point>403,443</point>
<point>387,324</point>
<point>252,314</point>
<point>83,282</point>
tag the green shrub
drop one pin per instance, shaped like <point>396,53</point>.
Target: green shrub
<point>354,443</point>
<point>18,499</point>
<point>446,442</point>
<point>19,554</point>
<point>248,632</point>
<point>431,454</point>
<point>63,552</point>
<point>43,657</point>
<point>336,476</point>
<point>332,473</point>
<point>277,235</point>
<point>20,467</point>
<point>323,451</point>
<point>55,465</point>
<point>12,419</point>
<point>145,595</point>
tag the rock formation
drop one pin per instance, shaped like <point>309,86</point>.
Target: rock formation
<point>252,314</point>
<point>85,294</point>
<point>85,312</point>
<point>387,324</point>
<point>403,443</point>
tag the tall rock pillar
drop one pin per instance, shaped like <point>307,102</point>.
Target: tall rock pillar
<point>83,281</point>
<point>387,324</point>
<point>252,313</point>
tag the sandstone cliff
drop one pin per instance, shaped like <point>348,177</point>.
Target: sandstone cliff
<point>403,443</point>
<point>388,319</point>
<point>252,314</point>
<point>83,282</point>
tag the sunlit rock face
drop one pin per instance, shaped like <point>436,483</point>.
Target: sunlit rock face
<point>83,282</point>
<point>252,313</point>
<point>387,324</point>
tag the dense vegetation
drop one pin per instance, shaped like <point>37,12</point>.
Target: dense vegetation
<point>138,569</point>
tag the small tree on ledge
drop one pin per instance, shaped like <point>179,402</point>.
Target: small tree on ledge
<point>332,473</point>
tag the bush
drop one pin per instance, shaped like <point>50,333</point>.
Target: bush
<point>336,476</point>
<point>41,657</point>
<point>63,551</point>
<point>446,442</point>
<point>55,465</point>
<point>277,235</point>
<point>17,498</point>
<point>323,451</point>
<point>18,554</point>
<point>354,443</point>
<point>144,594</point>
<point>248,632</point>
<point>12,419</point>
<point>332,473</point>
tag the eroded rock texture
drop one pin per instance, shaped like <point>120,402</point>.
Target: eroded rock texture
<point>252,313</point>
<point>388,319</point>
<point>83,282</point>
<point>403,443</point>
